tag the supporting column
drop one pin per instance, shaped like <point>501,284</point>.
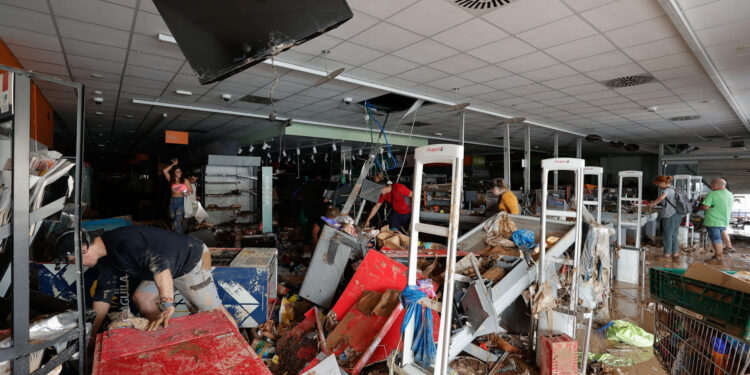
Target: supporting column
<point>579,147</point>
<point>83,336</point>
<point>506,155</point>
<point>20,270</point>
<point>463,128</point>
<point>661,156</point>
<point>266,175</point>
<point>555,154</point>
<point>527,166</point>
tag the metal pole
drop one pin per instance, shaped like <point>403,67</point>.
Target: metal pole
<point>661,156</point>
<point>555,154</point>
<point>527,167</point>
<point>20,266</point>
<point>463,127</point>
<point>506,155</point>
<point>579,147</point>
<point>80,291</point>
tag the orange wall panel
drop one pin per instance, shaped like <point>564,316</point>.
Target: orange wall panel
<point>42,123</point>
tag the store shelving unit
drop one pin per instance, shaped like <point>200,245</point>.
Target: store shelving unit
<point>22,219</point>
<point>231,189</point>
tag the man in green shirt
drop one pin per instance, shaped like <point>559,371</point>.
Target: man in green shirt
<point>718,207</point>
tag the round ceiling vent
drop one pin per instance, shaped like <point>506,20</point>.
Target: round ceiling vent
<point>629,81</point>
<point>481,4</point>
<point>632,147</point>
<point>593,138</point>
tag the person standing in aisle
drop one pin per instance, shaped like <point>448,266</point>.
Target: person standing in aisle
<point>507,201</point>
<point>399,197</point>
<point>718,206</point>
<point>670,219</point>
<point>180,188</point>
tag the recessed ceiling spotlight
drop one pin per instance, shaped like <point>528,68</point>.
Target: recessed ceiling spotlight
<point>438,134</point>
<point>97,92</point>
<point>128,116</point>
<point>183,92</point>
<point>99,113</point>
<point>96,75</point>
<point>166,38</point>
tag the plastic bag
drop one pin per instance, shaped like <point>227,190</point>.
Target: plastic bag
<point>629,333</point>
<point>200,214</point>
<point>523,238</point>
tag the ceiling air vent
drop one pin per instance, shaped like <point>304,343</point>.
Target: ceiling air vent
<point>685,118</point>
<point>481,6</point>
<point>737,144</point>
<point>629,81</point>
<point>256,99</point>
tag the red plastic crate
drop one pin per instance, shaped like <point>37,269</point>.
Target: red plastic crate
<point>559,355</point>
<point>204,343</point>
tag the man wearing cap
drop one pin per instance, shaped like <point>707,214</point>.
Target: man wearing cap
<point>399,197</point>
<point>163,260</point>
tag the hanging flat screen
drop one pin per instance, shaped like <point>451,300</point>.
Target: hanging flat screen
<point>222,37</point>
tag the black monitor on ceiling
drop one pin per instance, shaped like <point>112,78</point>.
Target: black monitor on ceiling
<point>222,37</point>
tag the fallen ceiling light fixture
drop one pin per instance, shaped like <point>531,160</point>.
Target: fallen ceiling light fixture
<point>331,75</point>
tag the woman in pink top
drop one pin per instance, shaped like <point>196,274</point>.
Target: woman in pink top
<point>180,188</point>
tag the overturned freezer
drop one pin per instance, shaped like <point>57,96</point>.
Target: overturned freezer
<point>519,275</point>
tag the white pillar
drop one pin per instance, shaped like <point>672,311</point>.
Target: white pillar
<point>506,155</point>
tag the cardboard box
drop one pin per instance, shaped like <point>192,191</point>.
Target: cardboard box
<point>711,275</point>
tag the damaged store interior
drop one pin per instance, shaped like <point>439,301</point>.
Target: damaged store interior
<point>375,187</point>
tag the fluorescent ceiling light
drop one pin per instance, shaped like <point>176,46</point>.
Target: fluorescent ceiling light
<point>166,38</point>
<point>183,92</point>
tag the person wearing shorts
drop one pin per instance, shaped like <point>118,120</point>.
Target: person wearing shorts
<point>163,260</point>
<point>718,207</point>
<point>399,197</point>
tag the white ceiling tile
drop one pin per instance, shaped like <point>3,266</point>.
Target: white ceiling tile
<point>622,13</point>
<point>476,89</point>
<point>598,95</point>
<point>524,15</point>
<point>558,32</point>
<point>590,46</point>
<point>643,32</point>
<point>359,22</point>
<point>366,74</point>
<point>508,82</point>
<point>399,83</point>
<point>381,9</point>
<point>98,12</point>
<point>142,72</point>
<point>386,37</point>
<point>450,82</point>
<point>21,18</point>
<point>525,63</point>
<point>153,61</point>
<point>152,45</point>
<point>486,73</point>
<point>28,53</point>
<point>678,72</point>
<point>561,101</point>
<point>428,17</point>
<point>422,74</point>
<point>37,5</point>
<point>598,62</point>
<point>669,61</point>
<point>545,95</point>
<point>92,50</point>
<point>501,50</point>
<point>30,39</point>
<point>717,13</point>
<point>615,72</point>
<point>150,24</point>
<point>647,87</point>
<point>458,64</point>
<point>390,65</point>
<point>582,5</point>
<point>471,34</point>
<point>354,54</point>
<point>658,48</point>
<point>533,88</point>
<point>59,71</point>
<point>735,32</point>
<point>87,32</point>
<point>583,89</point>
<point>569,81</point>
<point>425,51</point>
<point>550,72</point>
<point>687,81</point>
<point>494,96</point>
<point>95,65</point>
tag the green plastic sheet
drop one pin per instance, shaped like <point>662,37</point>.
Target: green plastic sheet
<point>630,334</point>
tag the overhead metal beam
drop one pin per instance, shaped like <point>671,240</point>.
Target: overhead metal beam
<point>579,147</point>
<point>527,166</point>
<point>506,155</point>
<point>675,14</point>
<point>555,154</point>
<point>697,158</point>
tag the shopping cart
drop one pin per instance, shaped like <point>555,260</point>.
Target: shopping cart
<point>684,345</point>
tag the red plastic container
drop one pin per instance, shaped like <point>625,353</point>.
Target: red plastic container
<point>204,343</point>
<point>559,355</point>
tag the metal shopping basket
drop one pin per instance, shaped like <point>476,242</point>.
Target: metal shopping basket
<point>684,345</point>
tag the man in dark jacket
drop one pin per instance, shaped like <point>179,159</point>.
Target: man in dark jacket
<point>163,260</point>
